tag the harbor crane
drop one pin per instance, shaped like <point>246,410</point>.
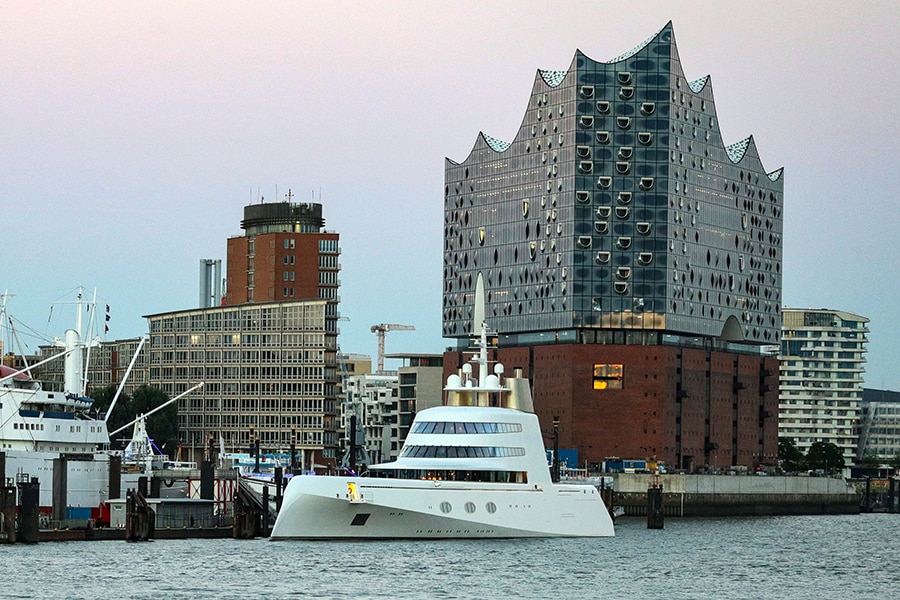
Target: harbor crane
<point>380,330</point>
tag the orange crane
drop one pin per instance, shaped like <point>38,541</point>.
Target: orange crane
<point>380,330</point>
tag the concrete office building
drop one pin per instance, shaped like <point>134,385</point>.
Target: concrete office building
<point>822,366</point>
<point>268,367</point>
<point>108,365</point>
<point>631,260</point>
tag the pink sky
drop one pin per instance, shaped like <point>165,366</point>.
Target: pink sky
<point>134,133</point>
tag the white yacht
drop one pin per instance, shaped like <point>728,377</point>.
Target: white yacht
<point>474,468</point>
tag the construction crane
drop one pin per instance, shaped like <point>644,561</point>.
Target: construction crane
<point>380,330</point>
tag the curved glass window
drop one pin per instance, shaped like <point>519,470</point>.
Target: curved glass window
<point>415,451</point>
<point>464,427</point>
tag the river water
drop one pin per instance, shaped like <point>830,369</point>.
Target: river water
<point>821,557</point>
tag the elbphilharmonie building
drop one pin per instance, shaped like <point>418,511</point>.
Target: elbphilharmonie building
<point>618,223</point>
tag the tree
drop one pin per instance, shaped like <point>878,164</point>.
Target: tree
<point>871,460</point>
<point>825,456</point>
<point>162,426</point>
<point>790,457</point>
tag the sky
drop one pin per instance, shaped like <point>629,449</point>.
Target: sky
<point>133,134</point>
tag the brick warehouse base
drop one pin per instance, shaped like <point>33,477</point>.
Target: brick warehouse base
<point>689,407</point>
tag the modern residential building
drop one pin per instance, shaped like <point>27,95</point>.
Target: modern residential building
<point>372,399</point>
<point>879,424</point>
<point>631,261</point>
<point>822,365</point>
<point>385,403</point>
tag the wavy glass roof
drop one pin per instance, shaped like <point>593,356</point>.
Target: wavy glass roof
<point>553,78</point>
<point>698,84</point>
<point>737,150</point>
<point>496,145</point>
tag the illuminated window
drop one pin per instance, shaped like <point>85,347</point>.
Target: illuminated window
<point>607,377</point>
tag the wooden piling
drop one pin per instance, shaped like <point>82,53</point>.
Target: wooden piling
<point>655,505</point>
<point>29,511</point>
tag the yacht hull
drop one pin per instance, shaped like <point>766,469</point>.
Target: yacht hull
<point>317,507</point>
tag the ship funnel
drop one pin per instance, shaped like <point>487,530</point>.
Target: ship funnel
<point>519,396</point>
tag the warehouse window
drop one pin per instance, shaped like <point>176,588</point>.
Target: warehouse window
<point>607,377</point>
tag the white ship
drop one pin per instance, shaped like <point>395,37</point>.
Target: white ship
<point>56,437</point>
<point>474,468</point>
<point>38,427</point>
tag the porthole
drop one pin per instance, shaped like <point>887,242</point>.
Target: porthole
<point>624,197</point>
<point>587,92</point>
<point>491,507</point>
<point>470,507</point>
<point>647,108</point>
<point>586,121</point>
<point>604,182</point>
<point>603,137</point>
<point>445,507</point>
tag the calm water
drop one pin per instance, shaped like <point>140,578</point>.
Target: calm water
<point>818,557</point>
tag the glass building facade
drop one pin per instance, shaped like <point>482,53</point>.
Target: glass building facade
<point>616,215</point>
